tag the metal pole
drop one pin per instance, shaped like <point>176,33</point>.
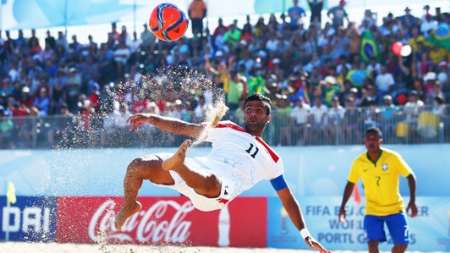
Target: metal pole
<point>134,15</point>
<point>1,15</point>
<point>65,18</point>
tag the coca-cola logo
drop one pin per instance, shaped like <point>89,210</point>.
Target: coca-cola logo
<point>164,221</point>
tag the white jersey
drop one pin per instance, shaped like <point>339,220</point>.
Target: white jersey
<point>247,158</point>
<point>238,159</point>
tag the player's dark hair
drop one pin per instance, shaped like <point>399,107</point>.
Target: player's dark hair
<point>374,130</point>
<point>257,97</point>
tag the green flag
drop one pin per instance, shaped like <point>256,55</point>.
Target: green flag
<point>369,49</point>
<point>11,194</point>
<point>440,37</point>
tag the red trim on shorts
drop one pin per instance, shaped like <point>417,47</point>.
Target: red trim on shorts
<point>272,153</point>
<point>222,201</point>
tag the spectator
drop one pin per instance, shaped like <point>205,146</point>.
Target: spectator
<point>295,13</point>
<point>388,113</point>
<point>412,110</point>
<point>92,45</point>
<point>197,12</point>
<point>135,43</point>
<point>33,41</point>
<point>442,76</point>
<point>338,14</point>
<point>260,28</point>
<point>439,108</point>
<point>369,96</point>
<point>147,38</point>
<point>121,55</point>
<point>335,118</point>
<point>75,46</point>
<point>369,20</point>
<point>318,62</point>
<point>384,81</point>
<point>42,102</point>
<point>300,115</point>
<point>428,23</point>
<point>319,113</point>
<point>316,12</point>
<point>20,41</point>
<point>114,35</point>
<point>236,91</point>
<point>50,41</point>
<point>61,41</point>
<point>408,21</point>
<point>233,35</point>
<point>220,29</point>
<point>247,30</point>
<point>282,120</point>
<point>432,87</point>
<point>352,120</point>
<point>6,130</point>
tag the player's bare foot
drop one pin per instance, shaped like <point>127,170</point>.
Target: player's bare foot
<point>177,159</point>
<point>125,212</point>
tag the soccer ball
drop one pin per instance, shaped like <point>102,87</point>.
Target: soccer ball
<point>167,22</point>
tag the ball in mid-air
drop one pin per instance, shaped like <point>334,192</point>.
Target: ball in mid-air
<point>167,22</point>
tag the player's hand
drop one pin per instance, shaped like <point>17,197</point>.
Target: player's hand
<point>411,209</point>
<point>137,120</point>
<point>315,245</point>
<point>342,215</point>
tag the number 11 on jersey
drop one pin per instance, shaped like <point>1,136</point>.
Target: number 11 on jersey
<point>249,150</point>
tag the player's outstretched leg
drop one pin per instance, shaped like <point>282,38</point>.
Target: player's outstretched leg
<point>131,184</point>
<point>126,211</point>
<point>149,168</point>
<point>204,184</point>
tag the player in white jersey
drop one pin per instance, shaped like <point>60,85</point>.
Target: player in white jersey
<point>238,160</point>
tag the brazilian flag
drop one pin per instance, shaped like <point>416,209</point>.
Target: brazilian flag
<point>369,49</point>
<point>440,38</point>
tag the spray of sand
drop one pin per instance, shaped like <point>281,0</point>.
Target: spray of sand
<point>213,116</point>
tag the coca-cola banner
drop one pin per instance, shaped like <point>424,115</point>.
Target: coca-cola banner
<point>163,220</point>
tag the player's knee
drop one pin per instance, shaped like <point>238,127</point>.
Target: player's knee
<point>135,166</point>
<point>138,165</point>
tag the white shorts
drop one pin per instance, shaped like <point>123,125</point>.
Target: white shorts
<point>202,165</point>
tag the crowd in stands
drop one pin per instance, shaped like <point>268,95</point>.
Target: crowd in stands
<point>319,76</point>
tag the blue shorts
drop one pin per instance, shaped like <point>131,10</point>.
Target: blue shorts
<point>396,223</point>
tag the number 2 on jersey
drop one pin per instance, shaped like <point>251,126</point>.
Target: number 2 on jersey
<point>249,150</point>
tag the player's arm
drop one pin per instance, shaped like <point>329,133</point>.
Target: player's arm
<point>352,179</point>
<point>166,124</point>
<point>346,196</point>
<point>292,207</point>
<point>407,172</point>
<point>412,195</point>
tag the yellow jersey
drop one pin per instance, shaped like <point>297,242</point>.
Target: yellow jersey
<point>380,181</point>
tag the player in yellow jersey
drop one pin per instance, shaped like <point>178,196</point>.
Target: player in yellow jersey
<point>379,169</point>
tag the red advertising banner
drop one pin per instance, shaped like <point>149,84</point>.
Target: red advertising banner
<point>163,220</point>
